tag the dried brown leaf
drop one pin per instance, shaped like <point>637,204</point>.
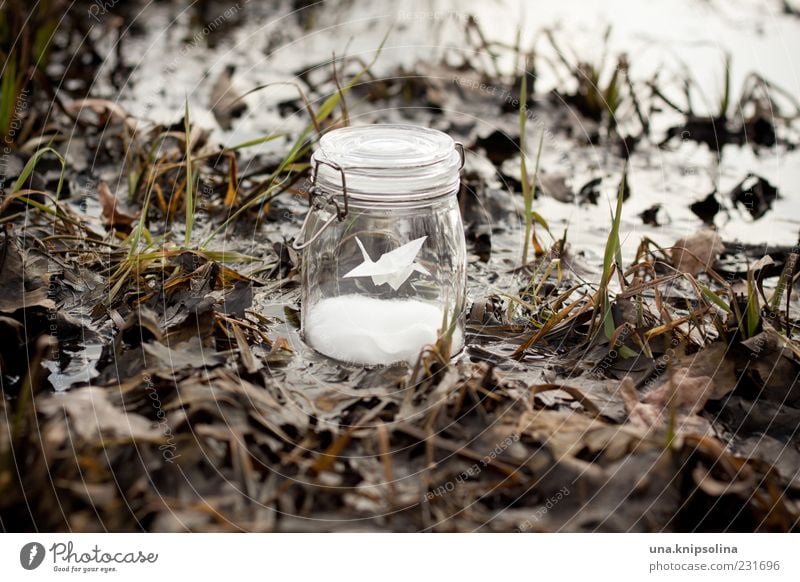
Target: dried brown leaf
<point>698,252</point>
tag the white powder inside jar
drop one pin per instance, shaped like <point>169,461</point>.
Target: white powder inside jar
<point>369,331</point>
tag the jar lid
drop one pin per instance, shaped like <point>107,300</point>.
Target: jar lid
<point>387,163</point>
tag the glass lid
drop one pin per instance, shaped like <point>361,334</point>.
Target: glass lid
<point>388,162</point>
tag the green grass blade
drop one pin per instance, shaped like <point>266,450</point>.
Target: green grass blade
<point>612,243</point>
<point>38,205</point>
<point>611,256</point>
<point>30,166</point>
<point>136,235</point>
<point>785,281</point>
<point>8,96</point>
<point>726,93</point>
<point>256,141</point>
<point>753,311</point>
<point>528,189</point>
<point>331,102</point>
<point>539,219</point>
<point>715,299</point>
<point>523,171</point>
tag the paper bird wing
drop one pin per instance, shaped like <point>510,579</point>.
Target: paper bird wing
<point>363,270</point>
<point>392,263</point>
<point>394,280</point>
<point>373,269</point>
<point>403,256</point>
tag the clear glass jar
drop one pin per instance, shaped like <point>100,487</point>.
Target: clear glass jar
<point>384,257</point>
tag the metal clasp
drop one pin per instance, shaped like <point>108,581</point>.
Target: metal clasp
<point>317,201</point>
<point>460,147</point>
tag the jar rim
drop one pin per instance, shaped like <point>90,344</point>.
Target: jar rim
<point>387,162</point>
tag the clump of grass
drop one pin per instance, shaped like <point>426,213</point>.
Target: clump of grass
<point>18,192</point>
<point>599,93</point>
<point>558,312</point>
<point>436,357</point>
<point>150,167</point>
<point>715,312</point>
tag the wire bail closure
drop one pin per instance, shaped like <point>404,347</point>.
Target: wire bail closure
<point>318,201</point>
<point>462,154</point>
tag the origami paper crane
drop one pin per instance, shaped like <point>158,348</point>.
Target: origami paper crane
<point>394,267</point>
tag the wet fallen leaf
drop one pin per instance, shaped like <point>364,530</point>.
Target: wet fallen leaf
<point>224,100</point>
<point>93,418</point>
<point>23,279</point>
<point>755,194</point>
<point>113,214</point>
<point>772,367</point>
<point>674,404</point>
<point>698,252</point>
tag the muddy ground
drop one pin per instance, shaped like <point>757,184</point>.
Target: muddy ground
<point>637,372</point>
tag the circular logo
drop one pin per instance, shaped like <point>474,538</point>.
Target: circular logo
<point>31,555</point>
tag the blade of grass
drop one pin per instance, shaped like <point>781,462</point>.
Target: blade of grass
<point>256,141</point>
<point>610,258</point>
<point>523,167</point>
<point>714,298</point>
<point>8,96</point>
<point>189,179</point>
<point>136,235</point>
<point>528,189</point>
<point>345,112</point>
<point>30,166</point>
<point>785,281</point>
<point>233,180</point>
<point>538,218</point>
<point>725,100</point>
<point>530,215</point>
<point>549,324</point>
<point>752,311</point>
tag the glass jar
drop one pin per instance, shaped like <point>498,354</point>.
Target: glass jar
<point>384,256</point>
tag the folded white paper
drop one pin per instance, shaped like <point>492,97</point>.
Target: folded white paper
<point>393,268</point>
